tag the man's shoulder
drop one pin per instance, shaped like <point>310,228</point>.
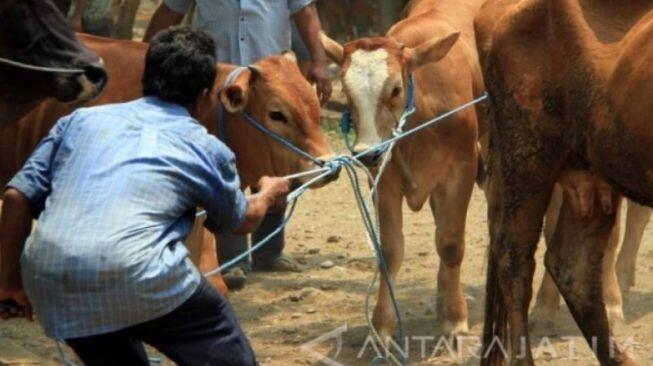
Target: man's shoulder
<point>199,137</point>
<point>115,109</point>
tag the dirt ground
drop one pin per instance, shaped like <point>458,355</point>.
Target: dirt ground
<point>282,312</point>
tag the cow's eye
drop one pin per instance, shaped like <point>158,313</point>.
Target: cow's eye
<point>396,91</point>
<point>278,117</point>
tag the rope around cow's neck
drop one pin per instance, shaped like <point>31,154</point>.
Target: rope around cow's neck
<point>51,70</point>
<point>350,163</point>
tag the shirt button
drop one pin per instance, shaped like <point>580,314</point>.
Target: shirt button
<point>242,39</point>
<point>242,19</point>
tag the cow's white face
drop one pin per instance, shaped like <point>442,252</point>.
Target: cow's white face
<point>374,76</point>
<point>375,95</point>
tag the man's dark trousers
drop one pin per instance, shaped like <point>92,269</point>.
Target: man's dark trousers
<point>203,331</point>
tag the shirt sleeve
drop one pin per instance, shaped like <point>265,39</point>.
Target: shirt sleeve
<point>35,178</point>
<point>221,197</point>
<point>297,5</point>
<point>179,6</point>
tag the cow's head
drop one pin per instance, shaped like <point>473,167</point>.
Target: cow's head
<point>35,32</point>
<point>374,75</point>
<point>275,93</point>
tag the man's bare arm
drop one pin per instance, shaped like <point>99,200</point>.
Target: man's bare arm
<point>271,190</point>
<point>163,18</point>
<point>309,26</point>
<point>15,227</point>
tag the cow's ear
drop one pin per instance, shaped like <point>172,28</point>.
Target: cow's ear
<point>333,49</point>
<point>430,51</point>
<point>235,97</point>
<point>290,55</point>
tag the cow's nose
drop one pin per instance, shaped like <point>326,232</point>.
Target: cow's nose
<point>97,75</point>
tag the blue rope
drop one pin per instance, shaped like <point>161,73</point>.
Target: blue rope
<point>287,144</point>
<point>422,126</point>
<point>347,162</point>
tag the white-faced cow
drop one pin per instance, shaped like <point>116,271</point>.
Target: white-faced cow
<point>40,57</point>
<point>435,43</point>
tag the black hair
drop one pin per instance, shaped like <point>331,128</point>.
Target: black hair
<point>180,64</point>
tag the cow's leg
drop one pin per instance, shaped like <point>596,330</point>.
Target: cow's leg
<point>548,297</point>
<point>515,227</point>
<point>636,220</point>
<point>449,206</point>
<point>390,200</point>
<point>124,28</point>
<point>611,292</point>
<point>575,261</point>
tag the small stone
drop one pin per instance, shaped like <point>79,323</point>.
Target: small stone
<point>334,239</point>
<point>314,251</point>
<point>311,311</point>
<point>309,292</point>
<point>423,254</point>
<point>292,330</point>
<point>327,287</point>
<point>295,316</point>
<point>295,297</point>
<point>327,264</point>
<point>341,256</point>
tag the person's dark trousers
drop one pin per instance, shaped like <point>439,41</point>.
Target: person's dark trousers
<point>203,331</point>
<point>229,246</point>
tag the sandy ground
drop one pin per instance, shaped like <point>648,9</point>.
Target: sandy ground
<point>282,312</point>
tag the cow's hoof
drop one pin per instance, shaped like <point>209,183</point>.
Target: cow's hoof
<point>454,330</point>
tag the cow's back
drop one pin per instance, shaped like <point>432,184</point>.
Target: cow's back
<point>124,69</point>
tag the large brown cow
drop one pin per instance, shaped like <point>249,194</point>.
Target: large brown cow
<point>273,91</point>
<point>570,83</point>
<point>37,48</point>
<point>438,165</point>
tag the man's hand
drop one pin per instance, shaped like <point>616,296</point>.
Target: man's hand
<point>317,74</point>
<point>14,303</point>
<point>309,26</point>
<point>272,191</point>
<point>274,188</point>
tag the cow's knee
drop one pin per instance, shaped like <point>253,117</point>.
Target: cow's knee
<point>451,249</point>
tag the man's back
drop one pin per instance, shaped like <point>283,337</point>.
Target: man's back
<point>124,183</point>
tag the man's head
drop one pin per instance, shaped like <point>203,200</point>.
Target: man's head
<point>180,66</point>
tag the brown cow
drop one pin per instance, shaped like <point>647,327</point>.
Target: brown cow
<point>618,276</point>
<point>272,89</point>
<point>438,165</point>
<point>34,33</point>
<point>570,84</point>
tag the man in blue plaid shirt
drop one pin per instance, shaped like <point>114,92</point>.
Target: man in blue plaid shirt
<point>115,190</point>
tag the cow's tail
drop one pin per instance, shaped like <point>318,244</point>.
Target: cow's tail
<point>495,330</point>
